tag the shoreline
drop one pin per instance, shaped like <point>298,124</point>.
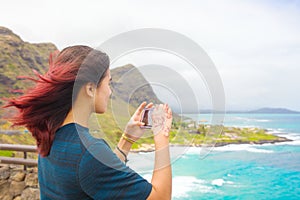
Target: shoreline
<point>146,148</point>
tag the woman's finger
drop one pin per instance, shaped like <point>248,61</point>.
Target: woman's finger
<point>150,105</point>
<point>140,123</point>
<point>166,107</point>
<point>169,113</point>
<point>140,108</point>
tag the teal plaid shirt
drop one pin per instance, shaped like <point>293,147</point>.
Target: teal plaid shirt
<point>82,167</point>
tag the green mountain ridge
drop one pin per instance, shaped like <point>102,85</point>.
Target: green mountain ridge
<point>19,58</point>
<point>131,86</point>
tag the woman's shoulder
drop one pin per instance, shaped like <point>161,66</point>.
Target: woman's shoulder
<point>76,134</point>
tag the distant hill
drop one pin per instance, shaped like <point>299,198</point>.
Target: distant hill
<point>273,110</point>
<point>258,111</point>
<point>266,111</point>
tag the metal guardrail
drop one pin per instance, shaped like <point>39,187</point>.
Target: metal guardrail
<point>19,161</point>
<point>9,132</point>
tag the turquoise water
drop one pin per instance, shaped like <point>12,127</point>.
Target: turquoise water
<point>278,122</point>
<point>270,171</point>
<point>238,173</point>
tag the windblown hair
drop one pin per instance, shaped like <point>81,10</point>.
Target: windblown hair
<point>43,108</point>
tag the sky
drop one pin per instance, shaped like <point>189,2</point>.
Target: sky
<point>254,44</point>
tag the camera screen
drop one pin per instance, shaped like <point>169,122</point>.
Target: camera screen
<point>146,118</point>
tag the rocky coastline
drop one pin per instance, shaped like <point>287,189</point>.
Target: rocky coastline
<point>150,147</point>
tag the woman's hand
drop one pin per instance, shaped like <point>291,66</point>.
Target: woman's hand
<point>162,173</point>
<point>133,129</point>
<point>162,119</point>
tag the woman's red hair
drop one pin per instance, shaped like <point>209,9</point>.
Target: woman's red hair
<point>43,108</point>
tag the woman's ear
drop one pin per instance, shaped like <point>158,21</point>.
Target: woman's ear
<point>90,89</point>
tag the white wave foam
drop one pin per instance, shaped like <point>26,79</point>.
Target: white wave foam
<point>276,130</point>
<point>242,147</point>
<point>201,151</point>
<point>182,185</point>
<point>218,182</point>
<point>296,143</point>
<point>255,150</point>
<point>250,119</point>
<point>293,143</point>
<point>295,137</point>
<point>262,120</point>
<point>291,136</point>
<point>193,150</point>
<point>230,147</point>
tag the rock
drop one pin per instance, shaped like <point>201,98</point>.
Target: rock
<point>16,188</point>
<point>5,31</point>
<point>7,197</point>
<point>19,176</point>
<point>13,166</point>
<point>4,187</point>
<point>32,170</point>
<point>4,173</point>
<point>30,194</point>
<point>17,167</point>
<point>35,170</point>
<point>17,198</point>
<point>2,182</point>
<point>31,180</point>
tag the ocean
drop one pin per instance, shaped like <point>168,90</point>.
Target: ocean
<point>268,171</point>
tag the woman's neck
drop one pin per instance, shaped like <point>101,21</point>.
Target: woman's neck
<point>81,110</point>
<point>80,118</point>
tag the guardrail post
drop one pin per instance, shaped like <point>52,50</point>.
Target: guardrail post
<point>25,156</point>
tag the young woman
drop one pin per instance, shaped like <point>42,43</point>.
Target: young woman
<point>72,164</point>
